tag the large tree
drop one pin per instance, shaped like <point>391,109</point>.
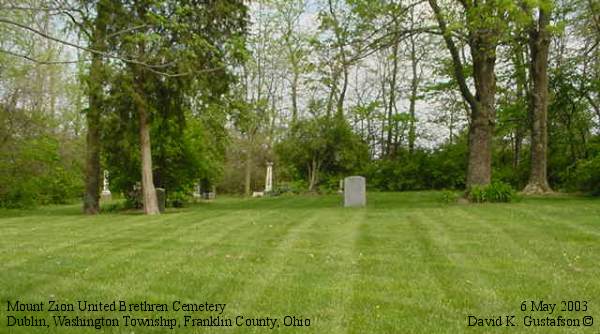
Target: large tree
<point>483,26</point>
<point>539,49</point>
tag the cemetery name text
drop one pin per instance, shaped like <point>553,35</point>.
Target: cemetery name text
<point>94,315</point>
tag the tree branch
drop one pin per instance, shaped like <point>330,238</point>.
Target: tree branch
<point>456,61</point>
<point>104,54</point>
<point>40,62</point>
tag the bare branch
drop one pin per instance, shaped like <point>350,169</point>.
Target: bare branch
<point>456,61</point>
<point>104,54</point>
<point>78,24</point>
<point>126,30</point>
<point>40,62</point>
<point>30,9</point>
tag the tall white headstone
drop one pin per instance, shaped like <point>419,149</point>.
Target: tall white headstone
<point>269,178</point>
<point>355,191</point>
<point>105,191</point>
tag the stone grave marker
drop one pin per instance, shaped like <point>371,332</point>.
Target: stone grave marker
<point>355,191</point>
<point>269,178</point>
<point>161,199</point>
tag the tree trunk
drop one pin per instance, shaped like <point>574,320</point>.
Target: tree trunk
<point>248,172</point>
<point>539,41</point>
<point>149,192</point>
<point>517,148</point>
<point>483,114</point>
<point>341,41</point>
<point>331,95</point>
<point>414,85</point>
<point>295,96</point>
<point>342,97</point>
<point>521,93</point>
<point>91,200</point>
<point>391,103</point>
<point>313,170</point>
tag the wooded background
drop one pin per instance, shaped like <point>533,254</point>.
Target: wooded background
<point>411,94</point>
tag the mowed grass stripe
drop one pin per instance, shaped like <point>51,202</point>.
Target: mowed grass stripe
<point>397,273</point>
<point>239,254</point>
<point>439,276</point>
<point>149,265</point>
<point>488,260</point>
<point>94,260</point>
<point>384,258</point>
<point>326,264</point>
<point>248,299</point>
<point>135,282</point>
<point>315,281</point>
<point>579,218</point>
<point>553,239</point>
<point>568,249</point>
<point>539,272</point>
<point>102,236</point>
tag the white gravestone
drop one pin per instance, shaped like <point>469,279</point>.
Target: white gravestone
<point>197,191</point>
<point>355,191</point>
<point>269,178</point>
<point>105,191</point>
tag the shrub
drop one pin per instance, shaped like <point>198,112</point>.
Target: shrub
<point>442,168</point>
<point>494,192</point>
<point>449,197</point>
<point>19,197</point>
<point>586,176</point>
<point>294,187</point>
<point>133,198</point>
<point>177,199</point>
<point>113,207</point>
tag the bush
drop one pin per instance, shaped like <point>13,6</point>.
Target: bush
<point>113,207</point>
<point>494,192</point>
<point>39,171</point>
<point>133,198</point>
<point>177,199</point>
<point>442,168</point>
<point>449,197</point>
<point>586,176</point>
<point>19,197</point>
<point>294,187</point>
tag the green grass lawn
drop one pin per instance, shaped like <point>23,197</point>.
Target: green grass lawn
<point>405,264</point>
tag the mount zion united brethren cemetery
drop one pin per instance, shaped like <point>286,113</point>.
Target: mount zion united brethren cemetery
<point>130,321</point>
<point>121,306</point>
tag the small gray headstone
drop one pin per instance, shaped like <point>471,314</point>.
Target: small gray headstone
<point>355,191</point>
<point>160,198</point>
